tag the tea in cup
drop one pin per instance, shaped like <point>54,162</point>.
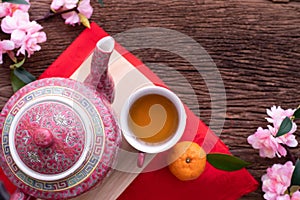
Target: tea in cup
<point>153,119</point>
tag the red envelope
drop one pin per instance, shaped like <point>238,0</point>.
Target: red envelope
<point>160,184</point>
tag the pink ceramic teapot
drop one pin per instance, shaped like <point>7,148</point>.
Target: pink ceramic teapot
<point>59,137</point>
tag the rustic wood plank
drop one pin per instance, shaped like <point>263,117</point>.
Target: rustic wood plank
<point>255,45</point>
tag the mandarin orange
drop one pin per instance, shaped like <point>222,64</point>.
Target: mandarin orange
<point>187,160</point>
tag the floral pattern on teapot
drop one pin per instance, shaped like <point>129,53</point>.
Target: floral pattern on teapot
<point>68,135</point>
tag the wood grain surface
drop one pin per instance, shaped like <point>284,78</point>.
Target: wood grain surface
<point>255,45</point>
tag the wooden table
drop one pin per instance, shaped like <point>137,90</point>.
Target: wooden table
<point>255,45</point>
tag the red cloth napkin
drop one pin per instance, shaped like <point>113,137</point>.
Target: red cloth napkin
<point>159,184</point>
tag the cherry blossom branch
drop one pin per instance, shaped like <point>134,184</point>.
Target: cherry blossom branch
<point>52,14</point>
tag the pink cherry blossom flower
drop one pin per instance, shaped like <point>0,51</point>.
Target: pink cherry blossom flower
<point>71,18</point>
<point>7,9</point>
<point>24,33</point>
<point>296,196</point>
<point>84,8</point>
<point>283,197</point>
<point>277,115</point>
<point>18,21</point>
<point>277,180</point>
<point>18,36</point>
<point>30,43</point>
<point>5,45</point>
<point>60,4</point>
<point>268,146</point>
<point>288,139</point>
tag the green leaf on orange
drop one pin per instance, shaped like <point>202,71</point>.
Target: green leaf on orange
<point>296,174</point>
<point>285,127</point>
<point>226,162</point>
<point>16,1</point>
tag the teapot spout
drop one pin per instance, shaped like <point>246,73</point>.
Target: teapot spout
<point>106,44</point>
<point>99,78</point>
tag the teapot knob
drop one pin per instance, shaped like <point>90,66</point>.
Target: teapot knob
<point>42,137</point>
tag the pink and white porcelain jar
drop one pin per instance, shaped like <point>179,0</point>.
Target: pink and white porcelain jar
<point>59,137</point>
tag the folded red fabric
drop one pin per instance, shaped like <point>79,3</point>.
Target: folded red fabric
<point>159,184</point>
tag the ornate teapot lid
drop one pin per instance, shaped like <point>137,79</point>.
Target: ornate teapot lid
<point>54,137</point>
<point>48,137</point>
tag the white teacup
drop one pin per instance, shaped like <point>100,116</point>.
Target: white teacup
<point>152,147</point>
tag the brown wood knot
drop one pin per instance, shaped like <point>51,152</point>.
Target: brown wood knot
<point>281,1</point>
